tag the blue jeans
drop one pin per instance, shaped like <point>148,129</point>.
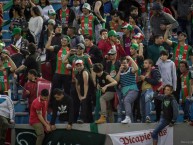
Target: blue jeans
<point>145,103</point>
<point>187,109</point>
<point>161,125</point>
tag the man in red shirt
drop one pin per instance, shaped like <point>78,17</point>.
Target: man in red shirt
<point>38,116</point>
<point>114,43</point>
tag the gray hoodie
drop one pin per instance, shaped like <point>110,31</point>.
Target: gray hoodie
<point>168,72</point>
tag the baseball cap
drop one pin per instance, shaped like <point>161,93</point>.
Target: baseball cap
<point>67,37</point>
<point>51,12</point>
<point>81,45</point>
<point>128,27</point>
<point>79,61</point>
<point>181,32</point>
<point>112,51</point>
<point>112,33</point>
<point>16,31</point>
<point>51,21</point>
<point>135,46</point>
<point>138,36</point>
<point>86,6</point>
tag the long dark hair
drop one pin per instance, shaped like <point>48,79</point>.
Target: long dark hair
<point>47,3</point>
<point>36,11</point>
<point>18,9</point>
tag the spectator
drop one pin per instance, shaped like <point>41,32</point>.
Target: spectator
<point>92,50</point>
<point>64,106</point>
<point>72,57</point>
<point>98,7</point>
<point>165,9</point>
<point>151,80</point>
<point>105,83</point>
<point>113,24</point>
<point>181,50</point>
<point>52,16</point>
<point>167,69</point>
<point>75,39</point>
<point>6,116</point>
<point>182,14</point>
<point>89,24</point>
<point>125,6</point>
<point>153,51</point>
<point>32,61</point>
<point>137,55</point>
<point>30,91</point>
<point>103,41</point>
<point>35,24</point>
<point>160,20</point>
<point>20,45</point>
<point>186,89</point>
<point>65,15</point>
<point>85,90</point>
<point>38,116</point>
<point>45,34</point>
<point>15,2</point>
<point>111,65</point>
<point>44,6</point>
<point>56,40</point>
<point>5,72</point>
<point>62,74</point>
<point>127,37</point>
<point>25,7</point>
<point>77,11</point>
<point>114,43</point>
<point>170,111</point>
<point>18,20</point>
<point>128,88</point>
<point>121,23</point>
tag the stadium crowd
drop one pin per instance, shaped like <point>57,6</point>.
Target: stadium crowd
<point>102,57</point>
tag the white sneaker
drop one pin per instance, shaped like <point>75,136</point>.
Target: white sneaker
<point>126,120</point>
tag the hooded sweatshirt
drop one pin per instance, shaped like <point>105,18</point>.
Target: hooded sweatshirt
<point>168,72</point>
<point>6,107</point>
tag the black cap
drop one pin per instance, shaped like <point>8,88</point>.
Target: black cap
<point>181,32</point>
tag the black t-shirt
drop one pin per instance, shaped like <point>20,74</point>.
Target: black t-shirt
<point>102,81</point>
<point>33,61</point>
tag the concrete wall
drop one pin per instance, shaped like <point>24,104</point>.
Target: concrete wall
<point>183,133</point>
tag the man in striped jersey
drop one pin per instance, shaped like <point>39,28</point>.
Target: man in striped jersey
<point>62,76</point>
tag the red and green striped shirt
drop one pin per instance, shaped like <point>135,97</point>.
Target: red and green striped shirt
<point>185,83</point>
<point>180,53</point>
<point>4,80</point>
<point>60,64</point>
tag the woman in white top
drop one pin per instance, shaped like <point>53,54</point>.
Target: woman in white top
<point>35,23</point>
<point>44,6</point>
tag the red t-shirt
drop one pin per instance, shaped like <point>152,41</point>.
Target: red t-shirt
<point>37,105</point>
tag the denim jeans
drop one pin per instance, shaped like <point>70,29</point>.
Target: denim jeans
<point>145,103</point>
<point>161,125</point>
<point>186,106</point>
